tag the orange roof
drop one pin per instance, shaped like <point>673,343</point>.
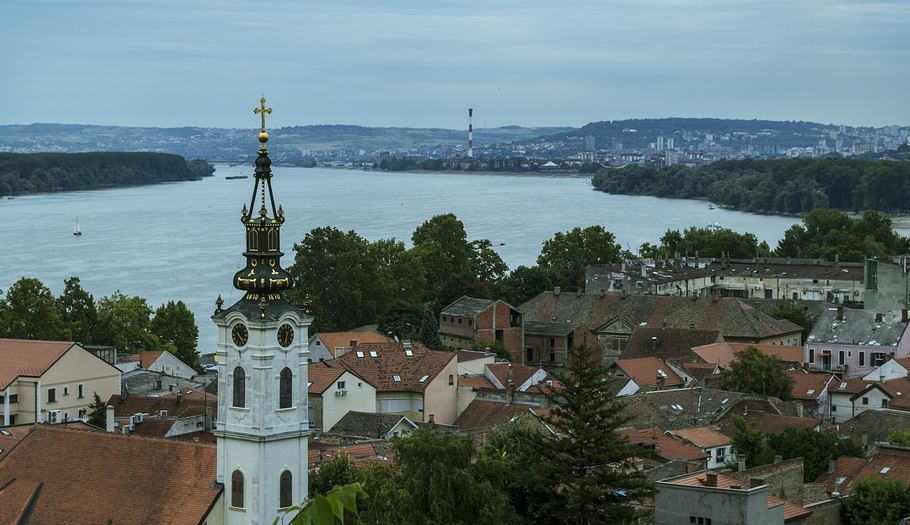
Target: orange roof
<point>808,385</point>
<point>484,415</point>
<point>698,479</point>
<point>520,373</point>
<point>664,446</point>
<point>126,406</point>
<point>360,455</point>
<point>703,437</point>
<point>391,361</point>
<point>475,381</point>
<point>645,371</point>
<point>323,375</point>
<point>10,437</point>
<point>845,469</point>
<point>333,340</point>
<point>21,357</point>
<point>724,353</point>
<point>98,477</point>
<point>888,463</point>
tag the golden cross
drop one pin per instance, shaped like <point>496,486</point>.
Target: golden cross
<point>262,111</point>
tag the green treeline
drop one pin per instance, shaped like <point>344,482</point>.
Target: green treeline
<point>22,173</point>
<point>772,186</point>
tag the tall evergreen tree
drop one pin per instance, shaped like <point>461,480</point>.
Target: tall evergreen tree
<point>77,309</point>
<point>174,323</point>
<point>582,468</point>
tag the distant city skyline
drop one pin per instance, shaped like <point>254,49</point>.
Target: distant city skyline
<point>394,63</point>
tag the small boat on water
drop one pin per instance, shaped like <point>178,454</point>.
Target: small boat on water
<point>235,177</point>
<point>76,230</point>
<point>710,206</point>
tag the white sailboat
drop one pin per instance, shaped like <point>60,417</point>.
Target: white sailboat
<point>76,230</point>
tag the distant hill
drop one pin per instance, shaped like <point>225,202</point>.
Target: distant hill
<point>237,144</point>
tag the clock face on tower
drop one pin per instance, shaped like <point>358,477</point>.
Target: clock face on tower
<point>285,335</point>
<point>240,334</point>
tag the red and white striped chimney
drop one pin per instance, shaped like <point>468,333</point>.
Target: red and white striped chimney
<point>471,133</point>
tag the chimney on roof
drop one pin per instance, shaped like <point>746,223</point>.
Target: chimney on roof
<point>840,313</point>
<point>110,423</point>
<point>831,466</point>
<point>654,344</point>
<point>904,315</point>
<point>878,317</point>
<point>431,419</point>
<point>711,479</point>
<point>352,343</point>
<point>661,381</point>
<point>556,291</point>
<point>756,482</point>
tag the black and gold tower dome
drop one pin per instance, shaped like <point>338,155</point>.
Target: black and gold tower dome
<point>262,280</point>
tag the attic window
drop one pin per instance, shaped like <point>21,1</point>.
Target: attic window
<point>810,391</point>
<point>424,379</point>
<point>725,401</point>
<point>884,470</point>
<point>374,354</point>
<point>308,385</point>
<point>359,354</point>
<point>396,378</point>
<point>661,373</point>
<point>843,386</point>
<point>408,352</point>
<point>6,432</point>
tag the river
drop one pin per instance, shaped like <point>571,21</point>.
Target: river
<point>184,240</point>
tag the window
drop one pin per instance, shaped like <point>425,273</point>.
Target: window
<point>396,378</point>
<point>451,379</point>
<point>877,359</point>
<point>80,391</point>
<point>862,358</point>
<point>811,355</point>
<point>341,385</point>
<point>720,453</point>
<point>840,357</point>
<point>237,488</point>
<point>552,341</point>
<point>833,408</point>
<point>51,395</point>
<point>239,390</point>
<point>459,320</point>
<point>470,322</point>
<point>13,398</point>
<point>285,388</point>
<point>424,378</point>
<point>66,391</point>
<point>284,490</point>
<point>552,356</point>
<point>865,400</point>
<point>529,354</point>
<point>81,413</point>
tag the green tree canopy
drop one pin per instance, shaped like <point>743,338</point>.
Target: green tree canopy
<point>175,324</point>
<point>876,501</point>
<point>523,283</point>
<point>77,309</point>
<point>754,372</point>
<point>567,255</point>
<point>336,471</point>
<point>711,242</point>
<point>29,311</point>
<point>827,233</point>
<point>125,322</point>
<point>793,312</point>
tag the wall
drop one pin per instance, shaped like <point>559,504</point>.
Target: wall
<point>186,425</point>
<point>170,365</point>
<point>499,318</point>
<point>886,286</point>
<point>413,401</point>
<point>727,457</point>
<point>891,370</point>
<point>360,397</point>
<point>475,366</point>
<point>852,355</point>
<point>318,351</point>
<point>456,332</point>
<point>825,513</point>
<point>847,409</point>
<point>440,398</point>
<point>676,504</point>
<point>543,348</point>
<point>463,397</point>
<point>785,478</point>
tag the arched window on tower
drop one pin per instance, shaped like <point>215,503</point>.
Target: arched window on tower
<point>284,490</point>
<point>237,489</point>
<point>239,388</point>
<point>285,388</point>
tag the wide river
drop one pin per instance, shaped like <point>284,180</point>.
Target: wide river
<point>184,240</point>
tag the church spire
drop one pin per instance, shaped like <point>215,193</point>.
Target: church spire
<point>263,279</point>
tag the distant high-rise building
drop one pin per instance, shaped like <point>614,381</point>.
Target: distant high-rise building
<point>589,142</point>
<point>660,142</point>
<point>670,143</point>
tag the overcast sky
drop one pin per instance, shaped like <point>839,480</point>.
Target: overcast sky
<point>423,62</point>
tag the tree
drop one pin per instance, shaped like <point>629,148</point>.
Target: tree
<point>577,469</point>
<point>567,255</point>
<point>174,323</point>
<point>751,444</point>
<point>97,414</point>
<point>899,437</point>
<point>29,312</point>
<point>124,322</point>
<point>336,471</point>
<point>523,284</point>
<point>754,372</point>
<point>77,309</point>
<point>434,480</point>
<point>876,501</point>
<point>793,312</point>
<point>447,259</point>
<point>333,508</point>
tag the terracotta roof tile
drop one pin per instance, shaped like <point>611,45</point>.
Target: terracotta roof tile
<point>333,340</point>
<point>150,427</point>
<point>20,357</point>
<point>645,371</point>
<point>475,381</point>
<point>698,479</point>
<point>126,406</point>
<point>361,455</point>
<point>520,373</point>
<point>808,385</point>
<point>670,343</point>
<point>723,353</point>
<point>323,375</point>
<point>845,469</point>
<point>703,437</point>
<point>663,445</point>
<point>484,415</point>
<point>470,355</point>
<point>767,422</point>
<point>391,361</point>
<point>97,477</point>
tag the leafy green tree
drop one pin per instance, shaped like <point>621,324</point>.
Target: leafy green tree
<point>174,323</point>
<point>751,444</point>
<point>77,309</point>
<point>124,322</point>
<point>816,449</point>
<point>711,242</point>
<point>522,284</point>
<point>488,267</point>
<point>754,372</point>
<point>29,312</point>
<point>337,471</point>
<point>97,412</point>
<point>334,508</point>
<point>417,322</point>
<point>575,469</point>
<point>567,255</point>
<point>434,480</point>
<point>828,233</point>
<point>793,312</point>
<point>447,258</point>
<point>899,437</point>
<point>876,501</point>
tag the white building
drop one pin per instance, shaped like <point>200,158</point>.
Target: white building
<point>333,392</point>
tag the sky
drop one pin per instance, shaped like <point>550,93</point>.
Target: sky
<point>168,63</point>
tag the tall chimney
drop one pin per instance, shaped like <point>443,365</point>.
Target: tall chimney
<point>904,315</point>
<point>840,313</point>
<point>711,479</point>
<point>110,423</point>
<point>878,317</point>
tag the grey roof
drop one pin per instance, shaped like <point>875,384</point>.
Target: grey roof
<point>667,343</point>
<point>367,425</point>
<point>275,308</point>
<point>875,423</point>
<point>551,328</point>
<point>678,408</point>
<point>466,306</point>
<point>141,382</point>
<point>857,327</point>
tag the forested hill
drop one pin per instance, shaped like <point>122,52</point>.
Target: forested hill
<point>22,173</point>
<point>773,186</point>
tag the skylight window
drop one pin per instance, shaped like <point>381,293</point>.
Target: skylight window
<point>810,391</point>
<point>661,373</point>
<point>424,378</point>
<point>724,402</point>
<point>374,354</point>
<point>6,432</point>
<point>408,352</point>
<point>843,386</point>
<point>884,470</point>
<point>309,384</point>
<point>396,378</point>
<point>359,354</point>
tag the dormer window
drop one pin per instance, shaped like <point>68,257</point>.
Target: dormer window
<point>396,378</point>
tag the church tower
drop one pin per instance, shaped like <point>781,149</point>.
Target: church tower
<point>262,370</point>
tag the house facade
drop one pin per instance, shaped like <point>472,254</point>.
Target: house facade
<point>333,392</point>
<point>470,321</point>
<point>158,361</point>
<point>51,381</point>
<point>855,342</point>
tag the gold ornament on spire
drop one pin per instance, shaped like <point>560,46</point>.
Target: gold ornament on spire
<point>262,111</point>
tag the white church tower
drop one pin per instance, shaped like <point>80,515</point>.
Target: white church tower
<point>262,371</point>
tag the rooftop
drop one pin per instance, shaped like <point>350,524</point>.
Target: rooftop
<point>703,437</point>
<point>809,385</point>
<point>368,424</point>
<point>663,445</point>
<point>20,357</point>
<point>333,340</point>
<point>414,366</point>
<point>519,373</point>
<point>646,370</point>
<point>466,306</point>
<point>483,415</point>
<point>724,352</point>
<point>666,343</point>
<point>858,327</point>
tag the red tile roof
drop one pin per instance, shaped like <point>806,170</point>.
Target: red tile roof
<point>391,360</point>
<point>155,428</point>
<point>845,469</point>
<point>724,353</point>
<point>520,373</point>
<point>888,463</point>
<point>360,455</point>
<point>475,381</point>
<point>767,422</point>
<point>323,375</point>
<point>471,355</point>
<point>483,415</point>
<point>809,385</point>
<point>20,357</point>
<point>645,370</point>
<point>11,436</point>
<point>93,477</point>
<point>126,406</point>
<point>663,445</point>
<point>333,340</point>
<point>703,437</point>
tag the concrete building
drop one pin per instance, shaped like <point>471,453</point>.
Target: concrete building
<point>51,381</point>
<point>469,321</point>
<point>855,342</point>
<point>158,361</point>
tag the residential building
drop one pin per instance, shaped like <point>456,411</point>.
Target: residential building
<point>672,344</point>
<point>51,381</point>
<point>59,475</point>
<point>710,498</point>
<point>665,447</point>
<point>718,447</point>
<point>855,342</point>
<point>892,369</point>
<point>329,345</point>
<point>889,463</point>
<point>162,417</point>
<point>142,382</point>
<point>482,415</point>
<point>470,321</point>
<point>887,284</point>
<point>813,390</point>
<point>157,361</point>
<point>517,377</point>
<point>851,397</point>
<point>409,378</point>
<point>370,425</point>
<point>724,353</point>
<point>472,363</point>
<point>333,391</point>
<point>647,373</point>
